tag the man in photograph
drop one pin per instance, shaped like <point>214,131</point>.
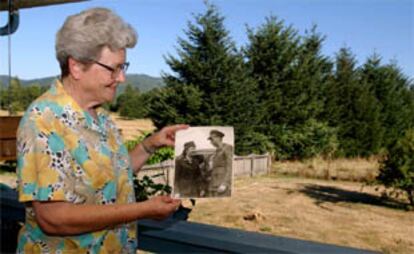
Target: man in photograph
<point>221,165</point>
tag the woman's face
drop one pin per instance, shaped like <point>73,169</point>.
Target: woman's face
<point>100,83</point>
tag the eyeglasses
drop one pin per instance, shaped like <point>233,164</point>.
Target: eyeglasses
<point>114,71</point>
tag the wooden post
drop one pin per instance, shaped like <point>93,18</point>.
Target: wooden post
<point>251,165</point>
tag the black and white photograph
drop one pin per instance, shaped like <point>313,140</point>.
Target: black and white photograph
<point>204,162</point>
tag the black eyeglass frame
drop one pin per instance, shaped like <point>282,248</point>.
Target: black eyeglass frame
<point>114,71</point>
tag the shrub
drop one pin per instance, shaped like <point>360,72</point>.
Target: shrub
<point>165,153</point>
<point>309,139</point>
<point>397,167</point>
<point>145,187</point>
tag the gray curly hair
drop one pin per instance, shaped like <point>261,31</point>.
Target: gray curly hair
<point>83,36</point>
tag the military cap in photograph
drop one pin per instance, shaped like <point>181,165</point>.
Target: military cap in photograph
<point>189,144</point>
<point>216,133</point>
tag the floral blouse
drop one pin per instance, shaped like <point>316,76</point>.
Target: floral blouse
<point>64,154</point>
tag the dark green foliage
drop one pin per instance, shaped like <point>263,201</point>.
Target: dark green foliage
<point>271,55</point>
<point>304,141</point>
<point>291,74</point>
<point>397,169</point>
<point>165,153</point>
<point>145,188</point>
<point>131,103</point>
<point>211,85</point>
<point>16,98</point>
<point>371,105</point>
<point>8,166</point>
<point>177,104</point>
<point>391,88</point>
<point>256,143</point>
<point>281,93</point>
<point>352,107</point>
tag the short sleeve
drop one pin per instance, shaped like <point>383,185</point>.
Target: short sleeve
<point>42,162</point>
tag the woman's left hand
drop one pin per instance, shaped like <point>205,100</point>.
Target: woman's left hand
<point>164,137</point>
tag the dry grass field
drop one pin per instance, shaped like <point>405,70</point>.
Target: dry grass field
<point>6,113</point>
<point>355,170</point>
<point>133,128</point>
<point>336,212</point>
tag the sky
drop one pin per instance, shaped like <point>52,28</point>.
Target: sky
<point>385,27</point>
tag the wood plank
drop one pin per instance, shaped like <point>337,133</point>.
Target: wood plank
<point>8,129</point>
<point>8,126</point>
<point>174,236</point>
<point>21,4</point>
<point>8,149</point>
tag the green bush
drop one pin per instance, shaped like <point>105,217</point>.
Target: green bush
<point>254,142</point>
<point>145,187</point>
<point>165,153</point>
<point>304,141</point>
<point>397,167</point>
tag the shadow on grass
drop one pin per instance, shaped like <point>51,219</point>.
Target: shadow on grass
<point>331,194</point>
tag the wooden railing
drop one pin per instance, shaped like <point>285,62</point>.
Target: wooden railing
<point>177,236</point>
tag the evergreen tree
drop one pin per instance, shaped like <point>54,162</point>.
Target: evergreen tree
<point>272,58</point>
<point>397,169</point>
<point>210,85</point>
<point>131,103</point>
<point>391,88</point>
<point>3,96</point>
<point>14,93</point>
<point>304,99</point>
<point>30,93</point>
<point>352,107</point>
<point>291,73</point>
<point>178,104</point>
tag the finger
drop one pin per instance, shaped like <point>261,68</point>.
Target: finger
<point>176,202</point>
<point>175,128</point>
<point>169,142</point>
<point>167,199</point>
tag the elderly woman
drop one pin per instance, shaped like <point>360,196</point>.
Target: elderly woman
<point>75,174</point>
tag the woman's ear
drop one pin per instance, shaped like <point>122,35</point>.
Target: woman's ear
<point>75,68</point>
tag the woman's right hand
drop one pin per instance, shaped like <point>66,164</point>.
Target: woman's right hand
<point>162,206</point>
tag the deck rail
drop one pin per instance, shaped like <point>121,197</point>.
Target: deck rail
<point>180,236</point>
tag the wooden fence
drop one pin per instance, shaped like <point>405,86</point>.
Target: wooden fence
<point>8,128</point>
<point>251,165</point>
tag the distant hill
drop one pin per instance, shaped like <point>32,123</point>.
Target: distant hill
<point>141,81</point>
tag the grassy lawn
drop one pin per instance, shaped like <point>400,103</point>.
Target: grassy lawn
<point>341,213</point>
